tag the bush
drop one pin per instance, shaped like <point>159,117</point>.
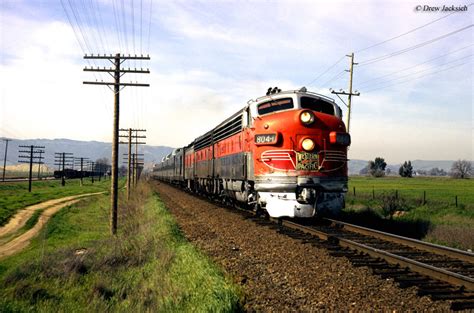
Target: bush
<point>391,203</point>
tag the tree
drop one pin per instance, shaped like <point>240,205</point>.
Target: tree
<point>377,167</point>
<point>406,170</point>
<point>437,172</point>
<point>102,165</point>
<point>461,169</point>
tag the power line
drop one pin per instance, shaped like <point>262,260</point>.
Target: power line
<point>408,32</point>
<point>335,77</point>
<point>410,67</point>
<point>422,71</point>
<point>387,56</point>
<point>117,26</point>
<point>327,70</point>
<point>408,80</point>
<point>149,24</point>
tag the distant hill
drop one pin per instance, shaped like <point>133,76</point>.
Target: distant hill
<point>153,154</point>
<point>88,149</point>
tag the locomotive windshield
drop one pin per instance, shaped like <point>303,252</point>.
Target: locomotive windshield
<point>317,105</point>
<point>275,105</point>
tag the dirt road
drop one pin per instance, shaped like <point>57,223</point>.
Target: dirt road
<point>16,244</point>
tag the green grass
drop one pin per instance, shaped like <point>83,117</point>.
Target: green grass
<point>438,220</point>
<point>148,266</point>
<point>33,220</point>
<point>438,189</point>
<point>14,196</point>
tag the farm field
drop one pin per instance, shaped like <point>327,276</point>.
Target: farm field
<point>74,264</point>
<point>438,189</point>
<point>15,195</point>
<point>437,220</point>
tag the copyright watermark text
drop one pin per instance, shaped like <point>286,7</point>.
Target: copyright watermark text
<point>441,8</point>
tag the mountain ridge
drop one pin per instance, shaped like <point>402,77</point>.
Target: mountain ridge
<point>94,150</point>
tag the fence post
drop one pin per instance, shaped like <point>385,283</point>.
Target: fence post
<point>424,196</point>
<point>354,188</point>
<point>396,194</point>
<point>456,198</point>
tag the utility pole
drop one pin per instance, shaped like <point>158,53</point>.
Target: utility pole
<point>31,158</point>
<point>139,163</point>
<point>116,60</point>
<point>5,158</point>
<point>80,162</point>
<point>39,166</point>
<point>92,171</point>
<point>130,167</point>
<point>350,93</point>
<point>63,160</point>
<point>136,165</point>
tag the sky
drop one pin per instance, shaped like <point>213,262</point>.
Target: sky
<point>208,58</point>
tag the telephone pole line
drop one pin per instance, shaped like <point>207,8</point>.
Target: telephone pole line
<point>136,164</point>
<point>130,137</point>
<point>350,93</point>
<point>80,162</point>
<point>63,160</point>
<point>116,73</point>
<point>39,166</point>
<point>5,158</point>
<point>31,158</point>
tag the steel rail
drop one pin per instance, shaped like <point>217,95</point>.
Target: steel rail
<point>413,243</point>
<point>416,266</point>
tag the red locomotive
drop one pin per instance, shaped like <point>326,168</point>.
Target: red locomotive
<point>285,152</point>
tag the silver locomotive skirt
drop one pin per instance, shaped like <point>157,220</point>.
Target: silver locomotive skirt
<point>279,195</point>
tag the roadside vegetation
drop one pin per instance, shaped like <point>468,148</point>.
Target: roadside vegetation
<point>76,265</point>
<point>436,209</point>
<point>15,195</point>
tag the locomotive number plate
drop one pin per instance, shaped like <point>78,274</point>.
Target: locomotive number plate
<point>307,161</point>
<point>266,139</point>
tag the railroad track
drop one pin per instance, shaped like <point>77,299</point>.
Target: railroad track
<point>440,272</point>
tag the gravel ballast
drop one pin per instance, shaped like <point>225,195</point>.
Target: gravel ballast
<point>278,273</point>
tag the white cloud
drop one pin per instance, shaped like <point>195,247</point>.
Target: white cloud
<point>208,59</point>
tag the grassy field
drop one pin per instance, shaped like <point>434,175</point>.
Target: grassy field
<point>438,189</point>
<point>437,220</point>
<point>75,265</point>
<point>14,196</point>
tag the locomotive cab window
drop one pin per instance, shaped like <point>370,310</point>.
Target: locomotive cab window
<point>317,105</point>
<point>275,105</point>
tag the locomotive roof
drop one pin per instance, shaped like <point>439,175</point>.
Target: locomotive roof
<point>301,91</point>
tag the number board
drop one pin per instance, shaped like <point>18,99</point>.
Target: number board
<point>307,161</point>
<point>266,139</point>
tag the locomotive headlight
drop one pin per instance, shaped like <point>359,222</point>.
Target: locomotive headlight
<point>308,144</point>
<point>307,117</point>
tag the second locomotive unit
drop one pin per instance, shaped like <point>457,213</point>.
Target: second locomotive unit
<point>285,152</point>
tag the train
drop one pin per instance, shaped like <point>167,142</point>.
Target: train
<point>284,153</point>
<point>70,173</point>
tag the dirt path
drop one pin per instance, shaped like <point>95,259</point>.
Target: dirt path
<point>19,220</point>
